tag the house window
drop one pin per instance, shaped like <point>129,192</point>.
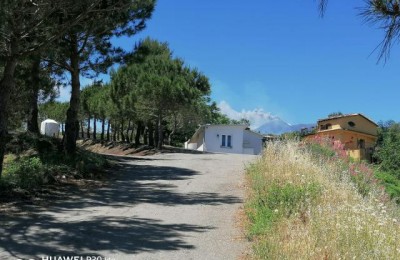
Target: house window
<point>351,124</point>
<point>325,127</point>
<point>361,143</point>
<point>226,141</point>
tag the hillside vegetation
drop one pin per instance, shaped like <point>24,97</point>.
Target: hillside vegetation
<point>32,163</point>
<point>309,201</point>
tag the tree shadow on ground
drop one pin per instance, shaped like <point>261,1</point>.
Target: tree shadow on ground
<point>47,236</point>
<point>46,230</point>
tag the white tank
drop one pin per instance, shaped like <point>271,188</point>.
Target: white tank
<point>49,127</point>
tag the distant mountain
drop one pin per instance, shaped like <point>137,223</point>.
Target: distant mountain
<point>276,125</point>
<point>298,127</point>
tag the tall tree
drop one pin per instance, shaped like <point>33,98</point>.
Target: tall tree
<point>157,89</point>
<point>86,48</point>
<point>26,26</point>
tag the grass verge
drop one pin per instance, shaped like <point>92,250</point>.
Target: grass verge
<point>306,202</point>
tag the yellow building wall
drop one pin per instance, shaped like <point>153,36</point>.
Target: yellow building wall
<point>350,136</point>
<point>351,139</point>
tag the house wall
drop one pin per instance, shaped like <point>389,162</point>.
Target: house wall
<point>351,136</point>
<point>213,138</point>
<point>252,140</point>
<point>196,141</point>
<point>351,141</point>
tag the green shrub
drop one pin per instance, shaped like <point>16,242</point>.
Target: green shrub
<point>33,161</point>
<point>26,173</point>
<point>391,183</point>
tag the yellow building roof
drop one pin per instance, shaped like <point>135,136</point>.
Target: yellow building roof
<point>347,115</point>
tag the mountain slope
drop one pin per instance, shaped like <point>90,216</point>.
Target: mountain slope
<point>277,126</point>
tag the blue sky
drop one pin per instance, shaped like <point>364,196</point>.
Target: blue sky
<point>280,57</point>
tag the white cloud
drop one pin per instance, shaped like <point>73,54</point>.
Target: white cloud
<point>257,116</point>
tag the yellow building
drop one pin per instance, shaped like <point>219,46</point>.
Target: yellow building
<point>357,132</point>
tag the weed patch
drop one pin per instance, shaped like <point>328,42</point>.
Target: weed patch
<point>308,203</point>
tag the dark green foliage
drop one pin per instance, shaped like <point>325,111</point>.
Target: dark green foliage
<point>387,154</point>
<point>388,148</point>
<point>39,161</point>
<point>391,183</point>
<point>26,173</point>
<point>53,110</point>
<point>159,90</point>
<point>75,41</point>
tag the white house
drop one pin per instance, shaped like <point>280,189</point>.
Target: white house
<point>226,139</point>
<point>50,127</point>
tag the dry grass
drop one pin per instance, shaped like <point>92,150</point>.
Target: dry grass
<point>332,221</point>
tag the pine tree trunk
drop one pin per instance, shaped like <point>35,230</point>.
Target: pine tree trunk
<point>138,132</point>
<point>170,136</point>
<point>88,127</point>
<point>122,131</point>
<point>94,127</point>
<point>151,134</point>
<point>103,127</point>
<point>132,135</point>
<point>32,122</point>
<point>160,132</point>
<point>77,129</point>
<point>127,131</point>
<point>145,136</point>
<point>72,112</point>
<point>114,130</point>
<point>82,131</point>
<point>7,84</point>
<point>108,130</point>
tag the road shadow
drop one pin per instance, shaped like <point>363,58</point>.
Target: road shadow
<point>38,230</point>
<point>44,235</point>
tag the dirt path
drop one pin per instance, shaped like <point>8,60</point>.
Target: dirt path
<point>169,206</point>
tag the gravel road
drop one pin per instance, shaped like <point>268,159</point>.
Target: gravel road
<point>165,206</point>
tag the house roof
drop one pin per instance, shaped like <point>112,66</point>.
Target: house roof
<point>50,121</point>
<point>244,126</point>
<point>347,115</point>
<point>250,131</point>
<point>202,127</point>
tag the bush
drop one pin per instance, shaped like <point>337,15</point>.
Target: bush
<point>392,184</point>
<point>34,161</point>
<point>387,152</point>
<point>26,173</point>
